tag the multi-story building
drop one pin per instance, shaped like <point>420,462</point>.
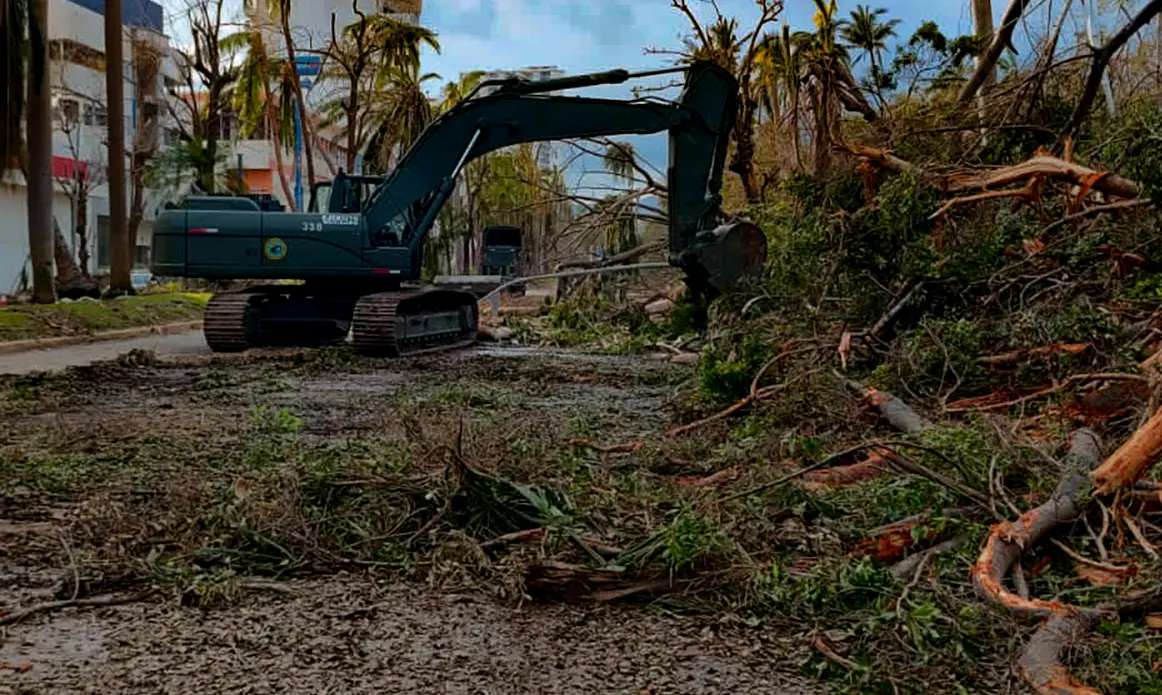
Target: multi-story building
<point>77,73</point>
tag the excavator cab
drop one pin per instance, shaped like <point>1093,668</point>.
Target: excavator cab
<point>346,193</point>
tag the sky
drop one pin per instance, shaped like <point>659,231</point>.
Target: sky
<point>587,36</point>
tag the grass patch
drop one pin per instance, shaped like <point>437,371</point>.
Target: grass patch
<point>30,321</point>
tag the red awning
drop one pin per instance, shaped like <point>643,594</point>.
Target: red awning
<point>68,168</point>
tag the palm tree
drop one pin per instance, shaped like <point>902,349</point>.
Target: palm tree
<point>256,103</point>
<point>458,91</point>
<point>779,69</point>
<point>618,159</point>
<point>24,46</point>
<point>865,31</point>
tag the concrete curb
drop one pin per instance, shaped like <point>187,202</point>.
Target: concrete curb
<point>16,346</point>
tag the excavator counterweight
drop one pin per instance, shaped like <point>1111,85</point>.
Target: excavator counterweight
<point>358,254</point>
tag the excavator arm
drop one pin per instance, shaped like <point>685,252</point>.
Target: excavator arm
<point>403,209</point>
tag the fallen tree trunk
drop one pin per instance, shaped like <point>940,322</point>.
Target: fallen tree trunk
<point>1050,167</point>
<point>1040,165</point>
<point>877,155</point>
<point>1130,462</point>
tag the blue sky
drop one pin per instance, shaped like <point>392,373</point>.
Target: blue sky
<point>580,36</point>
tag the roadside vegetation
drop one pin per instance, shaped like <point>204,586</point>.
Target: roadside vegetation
<point>88,316</point>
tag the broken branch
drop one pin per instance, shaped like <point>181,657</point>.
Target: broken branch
<point>1132,459</point>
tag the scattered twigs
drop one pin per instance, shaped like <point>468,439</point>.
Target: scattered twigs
<point>756,394</point>
<point>1105,566</point>
<point>49,606</point>
<point>821,463</point>
<point>890,315</point>
<point>515,537</point>
<point>1095,210</point>
<point>1132,459</point>
<point>980,404</point>
<point>1015,356</point>
<point>623,257</point>
<point>623,448</point>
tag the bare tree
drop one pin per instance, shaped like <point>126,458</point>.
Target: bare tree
<point>86,172</point>
<point>207,70</point>
<point>146,70</point>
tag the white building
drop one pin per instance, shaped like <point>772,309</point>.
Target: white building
<point>77,73</point>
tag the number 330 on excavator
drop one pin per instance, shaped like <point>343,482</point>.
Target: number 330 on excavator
<point>359,260</point>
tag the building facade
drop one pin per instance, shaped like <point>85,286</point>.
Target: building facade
<point>77,75</point>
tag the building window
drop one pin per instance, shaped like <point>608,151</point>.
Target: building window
<point>88,114</point>
<point>103,244</point>
<point>100,116</point>
<point>68,111</point>
<point>141,257</point>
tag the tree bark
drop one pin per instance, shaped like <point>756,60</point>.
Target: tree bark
<point>988,62</point>
<point>1132,459</point>
<point>81,226</point>
<point>39,170</point>
<point>1101,59</point>
<point>137,206</point>
<point>982,26</point>
<point>120,261</point>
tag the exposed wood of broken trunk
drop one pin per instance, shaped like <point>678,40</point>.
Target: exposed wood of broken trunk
<point>1130,462</point>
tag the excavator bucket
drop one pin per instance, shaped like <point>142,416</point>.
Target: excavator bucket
<point>722,259</point>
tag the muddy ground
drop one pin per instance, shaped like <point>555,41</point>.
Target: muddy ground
<point>292,516</point>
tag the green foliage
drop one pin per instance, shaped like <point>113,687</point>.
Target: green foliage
<point>280,420</point>
<point>725,380</point>
<point>1128,143</point>
<point>894,235</point>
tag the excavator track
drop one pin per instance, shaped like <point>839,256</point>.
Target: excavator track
<point>225,322</point>
<point>414,322</point>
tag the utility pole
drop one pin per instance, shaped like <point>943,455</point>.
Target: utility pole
<point>120,261</point>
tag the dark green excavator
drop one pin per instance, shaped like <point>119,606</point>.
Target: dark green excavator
<point>358,255</point>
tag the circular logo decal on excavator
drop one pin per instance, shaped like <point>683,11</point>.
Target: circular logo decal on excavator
<point>275,249</point>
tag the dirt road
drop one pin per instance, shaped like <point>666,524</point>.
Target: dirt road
<point>190,452</point>
<point>344,635</point>
<point>181,344</point>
